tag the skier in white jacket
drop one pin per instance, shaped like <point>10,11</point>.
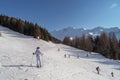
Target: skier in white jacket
<point>38,53</point>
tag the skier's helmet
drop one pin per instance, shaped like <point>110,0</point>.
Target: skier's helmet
<point>38,48</point>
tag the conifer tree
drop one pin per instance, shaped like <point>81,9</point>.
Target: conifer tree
<point>26,28</point>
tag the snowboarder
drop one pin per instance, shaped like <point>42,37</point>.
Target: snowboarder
<point>38,53</point>
<point>112,74</point>
<point>98,69</point>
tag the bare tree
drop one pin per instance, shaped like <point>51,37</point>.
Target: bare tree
<point>89,43</point>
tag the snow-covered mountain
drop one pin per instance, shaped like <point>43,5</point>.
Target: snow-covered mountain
<point>73,32</point>
<point>18,63</point>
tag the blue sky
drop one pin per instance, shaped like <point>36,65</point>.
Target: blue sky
<point>57,14</point>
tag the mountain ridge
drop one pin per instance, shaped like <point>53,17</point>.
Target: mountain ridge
<point>73,32</point>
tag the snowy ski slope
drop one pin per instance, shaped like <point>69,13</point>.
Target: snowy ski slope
<point>18,63</point>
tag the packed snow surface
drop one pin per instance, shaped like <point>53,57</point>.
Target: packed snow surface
<point>18,63</point>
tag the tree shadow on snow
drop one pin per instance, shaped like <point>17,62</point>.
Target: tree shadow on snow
<point>14,33</point>
<point>117,68</point>
<point>83,54</point>
<point>98,57</point>
<point>18,66</point>
<point>108,62</point>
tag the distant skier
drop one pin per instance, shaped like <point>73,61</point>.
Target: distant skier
<point>98,69</point>
<point>0,34</point>
<point>38,53</point>
<point>87,55</point>
<point>38,37</point>
<point>65,55</point>
<point>112,74</point>
<point>68,55</point>
<point>77,56</point>
<point>58,49</point>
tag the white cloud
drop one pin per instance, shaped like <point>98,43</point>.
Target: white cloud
<point>114,5</point>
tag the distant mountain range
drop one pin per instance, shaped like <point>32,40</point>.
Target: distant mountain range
<point>73,32</point>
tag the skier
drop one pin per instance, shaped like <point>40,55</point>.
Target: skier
<point>98,69</point>
<point>58,49</point>
<point>65,55</point>
<point>87,55</point>
<point>112,74</point>
<point>0,34</point>
<point>38,53</point>
<point>38,37</point>
<point>77,56</point>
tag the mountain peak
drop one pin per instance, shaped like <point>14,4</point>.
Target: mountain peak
<point>98,28</point>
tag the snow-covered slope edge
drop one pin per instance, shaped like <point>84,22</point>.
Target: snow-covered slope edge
<point>18,63</point>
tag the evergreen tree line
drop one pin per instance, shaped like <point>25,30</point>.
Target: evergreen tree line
<point>26,28</point>
<point>107,45</point>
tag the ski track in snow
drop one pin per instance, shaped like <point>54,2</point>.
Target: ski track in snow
<point>18,63</point>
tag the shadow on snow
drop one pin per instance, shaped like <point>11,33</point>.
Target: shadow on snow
<point>98,57</point>
<point>18,66</point>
